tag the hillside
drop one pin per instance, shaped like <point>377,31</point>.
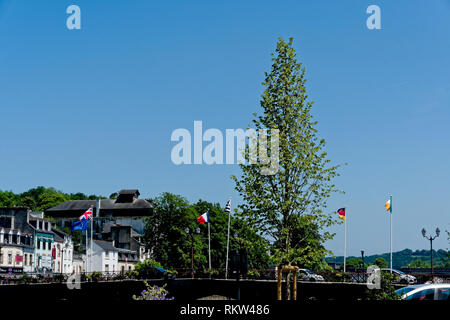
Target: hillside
<point>403,258</point>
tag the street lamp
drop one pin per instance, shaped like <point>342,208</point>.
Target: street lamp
<point>362,256</point>
<point>197,231</point>
<point>431,238</point>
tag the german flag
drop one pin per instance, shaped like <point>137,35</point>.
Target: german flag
<point>341,213</point>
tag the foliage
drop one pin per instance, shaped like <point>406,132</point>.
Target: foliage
<point>295,196</point>
<point>147,263</point>
<point>40,198</point>
<point>387,290</point>
<point>211,273</point>
<point>418,263</point>
<point>25,278</point>
<point>253,274</point>
<point>95,276</point>
<point>381,262</point>
<point>59,277</point>
<point>356,263</point>
<point>153,293</point>
<point>165,235</point>
<point>404,257</point>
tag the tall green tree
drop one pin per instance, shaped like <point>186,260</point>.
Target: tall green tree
<point>277,205</point>
<point>165,233</point>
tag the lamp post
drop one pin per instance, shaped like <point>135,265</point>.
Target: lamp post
<point>362,256</point>
<point>238,260</point>
<point>431,238</point>
<point>192,248</point>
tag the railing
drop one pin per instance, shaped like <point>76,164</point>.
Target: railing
<point>265,274</point>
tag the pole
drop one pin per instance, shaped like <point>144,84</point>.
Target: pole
<point>432,270</point>
<point>228,241</point>
<point>279,275</point>
<point>97,214</point>
<point>209,246</point>
<point>87,260</point>
<point>390,198</point>
<point>192,257</point>
<point>345,239</point>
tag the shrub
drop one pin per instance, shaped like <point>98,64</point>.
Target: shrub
<point>153,293</point>
<point>253,274</point>
<point>386,292</point>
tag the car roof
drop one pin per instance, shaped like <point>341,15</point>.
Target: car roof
<point>429,286</point>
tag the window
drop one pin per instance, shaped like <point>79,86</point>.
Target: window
<point>9,258</point>
<point>443,294</point>
<point>427,294</point>
<point>38,244</point>
<point>25,259</point>
<point>1,257</point>
<point>107,267</point>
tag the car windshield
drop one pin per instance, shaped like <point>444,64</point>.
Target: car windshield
<point>405,290</point>
<point>307,271</point>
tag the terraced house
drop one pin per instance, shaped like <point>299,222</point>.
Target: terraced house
<point>16,241</point>
<point>43,243</point>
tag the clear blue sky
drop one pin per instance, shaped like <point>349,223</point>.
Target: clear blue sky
<point>92,110</point>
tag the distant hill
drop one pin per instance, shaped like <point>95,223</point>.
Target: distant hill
<point>403,258</point>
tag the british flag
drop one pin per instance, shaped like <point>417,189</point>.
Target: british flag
<point>87,215</point>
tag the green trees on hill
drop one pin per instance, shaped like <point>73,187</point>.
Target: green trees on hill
<point>407,258</point>
<point>40,198</point>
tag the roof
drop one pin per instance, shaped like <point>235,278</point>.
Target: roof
<point>106,245</point>
<point>108,208</point>
<point>129,191</point>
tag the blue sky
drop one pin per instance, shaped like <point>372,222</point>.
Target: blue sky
<point>92,110</point>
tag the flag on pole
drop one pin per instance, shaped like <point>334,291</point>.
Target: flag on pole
<point>204,218</point>
<point>80,225</point>
<point>388,205</point>
<point>341,213</point>
<point>87,214</point>
<point>228,206</point>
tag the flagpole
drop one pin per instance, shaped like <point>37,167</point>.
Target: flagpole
<point>87,250</point>
<point>209,245</point>
<point>345,238</point>
<point>228,241</point>
<point>390,198</point>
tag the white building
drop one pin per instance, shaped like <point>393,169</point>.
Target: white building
<point>104,258</point>
<point>62,252</point>
<point>79,263</point>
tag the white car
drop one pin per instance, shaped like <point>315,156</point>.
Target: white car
<point>401,277</point>
<point>434,291</point>
<point>308,275</point>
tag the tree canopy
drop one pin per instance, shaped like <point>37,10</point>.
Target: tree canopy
<point>293,199</point>
<point>40,198</point>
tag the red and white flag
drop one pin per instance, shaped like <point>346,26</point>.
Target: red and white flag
<point>87,215</point>
<point>204,218</point>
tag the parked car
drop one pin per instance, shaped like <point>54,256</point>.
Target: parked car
<point>400,276</point>
<point>308,275</point>
<point>436,291</point>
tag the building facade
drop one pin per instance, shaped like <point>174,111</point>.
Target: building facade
<point>62,252</point>
<point>104,258</point>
